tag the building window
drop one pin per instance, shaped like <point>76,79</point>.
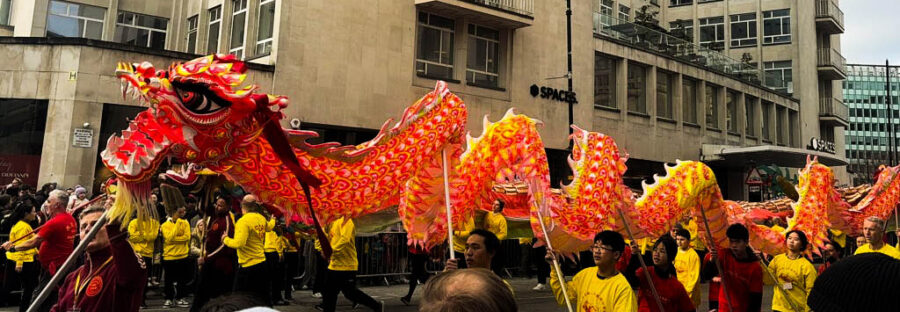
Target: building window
<point>192,33</point>
<point>604,80</point>
<point>215,21</point>
<point>680,2</point>
<point>743,30</point>
<point>712,106</point>
<point>605,18</point>
<point>731,112</point>
<point>637,88</point>
<point>766,116</point>
<point>74,20</point>
<point>712,31</point>
<point>22,138</point>
<point>4,12</point>
<point>141,30</point>
<point>689,100</point>
<point>777,26</point>
<point>780,117</point>
<point>664,94</point>
<point>778,76</point>
<point>484,56</point>
<point>624,13</point>
<point>750,122</point>
<point>683,29</point>
<point>238,28</point>
<point>435,53</point>
<point>266,27</point>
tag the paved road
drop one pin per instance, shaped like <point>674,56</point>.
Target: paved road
<point>528,299</point>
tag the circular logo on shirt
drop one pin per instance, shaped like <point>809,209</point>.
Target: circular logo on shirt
<point>94,286</point>
<point>215,226</point>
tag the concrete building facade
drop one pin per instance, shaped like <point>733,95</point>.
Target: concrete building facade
<point>348,66</point>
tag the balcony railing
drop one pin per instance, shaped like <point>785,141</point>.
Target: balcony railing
<point>829,9</point>
<point>657,41</point>
<point>831,57</point>
<point>524,7</point>
<point>832,107</point>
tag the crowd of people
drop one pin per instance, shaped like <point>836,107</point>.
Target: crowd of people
<point>238,254</point>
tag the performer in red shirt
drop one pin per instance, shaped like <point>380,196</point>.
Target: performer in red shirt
<point>671,292</point>
<point>830,254</point>
<point>112,277</point>
<point>742,276</point>
<point>56,239</point>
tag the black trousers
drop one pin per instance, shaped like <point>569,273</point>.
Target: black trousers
<point>291,269</point>
<point>345,282</point>
<point>417,272</point>
<point>543,268</point>
<point>212,283</point>
<point>254,279</point>
<point>148,264</point>
<point>54,294</point>
<point>321,271</point>
<point>276,276</point>
<point>27,280</point>
<point>177,275</point>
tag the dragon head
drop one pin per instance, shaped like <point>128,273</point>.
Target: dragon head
<point>196,113</point>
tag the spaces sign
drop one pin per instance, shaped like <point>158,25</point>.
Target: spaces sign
<point>554,94</point>
<point>821,145</point>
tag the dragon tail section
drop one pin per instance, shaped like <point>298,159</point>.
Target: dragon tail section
<point>880,202</point>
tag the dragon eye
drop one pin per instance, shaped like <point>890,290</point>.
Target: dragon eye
<point>197,102</point>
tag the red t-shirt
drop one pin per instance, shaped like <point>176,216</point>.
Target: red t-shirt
<point>671,292</point>
<point>741,278</point>
<point>713,286</point>
<point>59,241</point>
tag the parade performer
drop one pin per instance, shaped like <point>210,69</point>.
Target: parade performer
<point>142,235</point>
<point>273,248</point>
<point>249,237</point>
<point>481,248</point>
<point>176,233</point>
<point>459,241</point>
<point>291,242</point>
<point>495,222</point>
<point>830,254</point>
<point>671,292</point>
<point>112,277</point>
<point>794,273</point>
<point>600,288</point>
<point>342,268</point>
<point>873,230</point>
<point>687,265</point>
<point>742,276</point>
<point>21,264</point>
<point>217,264</point>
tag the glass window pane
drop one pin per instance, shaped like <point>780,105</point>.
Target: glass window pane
<point>429,44</point>
<point>57,7</point>
<point>94,30</point>
<point>58,26</point>
<point>212,45</point>
<point>266,21</point>
<point>92,12</point>
<point>237,31</point>
<point>158,40</point>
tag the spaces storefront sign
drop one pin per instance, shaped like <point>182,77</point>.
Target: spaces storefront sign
<point>553,94</point>
<point>821,145</point>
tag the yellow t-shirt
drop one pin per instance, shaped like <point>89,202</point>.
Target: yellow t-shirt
<point>176,239</point>
<point>460,237</point>
<point>143,236</point>
<point>249,234</point>
<point>692,228</point>
<point>273,241</point>
<point>885,249</point>
<point>589,293</point>
<point>496,223</point>
<point>687,269</point>
<point>795,277</point>
<point>21,229</point>
<point>343,241</point>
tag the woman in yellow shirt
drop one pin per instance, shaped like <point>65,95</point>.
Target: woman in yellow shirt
<point>176,234</point>
<point>20,263</point>
<point>794,273</point>
<point>249,237</point>
<point>495,222</point>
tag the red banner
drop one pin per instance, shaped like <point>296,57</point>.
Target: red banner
<point>25,167</point>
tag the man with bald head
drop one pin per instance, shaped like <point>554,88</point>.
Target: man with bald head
<point>873,230</point>
<point>474,289</point>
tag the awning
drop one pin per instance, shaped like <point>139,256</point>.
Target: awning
<point>734,156</point>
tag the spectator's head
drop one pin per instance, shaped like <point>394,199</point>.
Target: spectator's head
<point>87,219</point>
<point>674,230</point>
<point>608,247</point>
<point>47,187</point>
<point>497,207</point>
<point>831,251</point>
<point>248,207</point>
<point>154,199</point>
<point>250,198</point>
<point>864,282</point>
<point>475,289</point>
<point>796,241</point>
<point>221,205</point>
<point>191,202</point>
<point>664,251</point>
<point>860,240</point>
<point>80,192</point>
<point>24,210</point>
<point>738,237</point>
<point>13,191</point>
<point>57,201</point>
<point>17,182</point>
<point>683,238</point>
<point>873,229</point>
<point>481,247</point>
<point>70,191</point>
<point>233,302</point>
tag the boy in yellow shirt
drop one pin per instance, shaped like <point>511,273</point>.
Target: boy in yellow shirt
<point>495,222</point>
<point>176,234</point>
<point>687,265</point>
<point>249,237</point>
<point>599,288</point>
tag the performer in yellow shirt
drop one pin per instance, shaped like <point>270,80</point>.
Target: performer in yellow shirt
<point>249,236</point>
<point>873,230</point>
<point>599,288</point>
<point>459,241</point>
<point>687,265</point>
<point>794,273</point>
<point>21,262</point>
<point>274,251</point>
<point>343,267</point>
<point>142,236</point>
<point>176,234</point>
<point>495,222</point>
